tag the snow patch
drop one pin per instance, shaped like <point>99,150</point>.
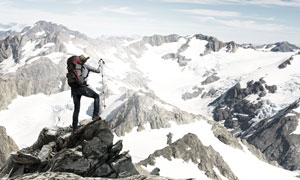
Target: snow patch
<point>178,169</point>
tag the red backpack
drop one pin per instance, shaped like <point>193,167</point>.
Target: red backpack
<point>74,74</point>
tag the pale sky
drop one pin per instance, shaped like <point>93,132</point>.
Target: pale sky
<point>243,21</point>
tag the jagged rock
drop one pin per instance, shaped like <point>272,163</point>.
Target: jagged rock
<point>190,149</point>
<point>65,175</point>
<point>184,47</point>
<point>155,172</point>
<point>284,47</point>
<point>214,45</point>
<point>196,92</point>
<point>7,146</point>
<point>274,137</point>
<point>169,138</point>
<point>155,40</point>
<point>271,89</point>
<point>5,34</point>
<point>210,79</point>
<point>211,93</point>
<point>225,136</point>
<point>88,153</point>
<point>12,46</point>
<point>235,109</point>
<point>181,60</point>
<point>285,63</point>
<point>169,56</point>
<point>158,40</point>
<point>142,108</point>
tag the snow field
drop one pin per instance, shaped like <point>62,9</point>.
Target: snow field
<point>242,162</point>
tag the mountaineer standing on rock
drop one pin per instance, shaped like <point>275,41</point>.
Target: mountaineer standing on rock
<point>77,75</point>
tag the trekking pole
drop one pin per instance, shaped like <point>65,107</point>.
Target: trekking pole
<point>103,92</point>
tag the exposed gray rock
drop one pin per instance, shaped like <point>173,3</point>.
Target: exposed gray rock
<point>285,63</point>
<point>225,136</point>
<point>169,138</point>
<point>7,146</point>
<point>184,47</point>
<point>71,176</point>
<point>169,56</point>
<point>142,108</point>
<point>88,153</point>
<point>12,46</point>
<point>235,110</point>
<point>155,40</point>
<point>190,149</point>
<point>284,47</point>
<point>274,137</point>
<point>181,60</point>
<point>210,79</point>
<point>5,34</point>
<point>214,45</point>
<point>196,92</point>
<point>155,171</point>
<point>158,40</point>
<point>211,93</point>
<point>41,76</point>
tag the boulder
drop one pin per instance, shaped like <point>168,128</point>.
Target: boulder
<point>88,153</point>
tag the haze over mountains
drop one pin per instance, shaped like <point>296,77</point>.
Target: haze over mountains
<point>189,86</point>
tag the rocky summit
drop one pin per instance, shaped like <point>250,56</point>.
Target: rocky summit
<point>87,153</point>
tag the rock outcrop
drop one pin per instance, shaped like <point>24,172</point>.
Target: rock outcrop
<point>156,40</point>
<point>210,79</point>
<point>71,176</point>
<point>88,153</point>
<point>214,45</point>
<point>225,136</point>
<point>235,110</point>
<point>190,95</point>
<point>275,137</point>
<point>285,63</point>
<point>141,108</point>
<point>5,34</point>
<point>41,76</point>
<point>181,60</point>
<point>12,46</point>
<point>190,149</point>
<point>8,145</point>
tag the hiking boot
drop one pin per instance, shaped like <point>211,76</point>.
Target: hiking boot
<point>96,118</point>
<point>76,131</point>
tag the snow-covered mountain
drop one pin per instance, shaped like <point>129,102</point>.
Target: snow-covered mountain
<point>157,85</point>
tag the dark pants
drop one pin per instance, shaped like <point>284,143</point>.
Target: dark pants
<point>76,94</point>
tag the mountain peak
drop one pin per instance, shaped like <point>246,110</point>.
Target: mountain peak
<point>284,46</point>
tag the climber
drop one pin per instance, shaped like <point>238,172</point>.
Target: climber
<point>77,75</point>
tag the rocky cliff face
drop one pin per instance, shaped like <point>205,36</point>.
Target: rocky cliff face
<point>7,146</point>
<point>235,110</point>
<point>275,137</point>
<point>143,108</point>
<point>88,153</point>
<point>5,34</point>
<point>41,76</point>
<point>190,148</point>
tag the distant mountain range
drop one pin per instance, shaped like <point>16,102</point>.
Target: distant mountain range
<point>193,105</point>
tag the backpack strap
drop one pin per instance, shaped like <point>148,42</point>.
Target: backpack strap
<point>76,61</point>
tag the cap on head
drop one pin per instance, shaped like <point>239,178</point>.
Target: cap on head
<point>83,59</point>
